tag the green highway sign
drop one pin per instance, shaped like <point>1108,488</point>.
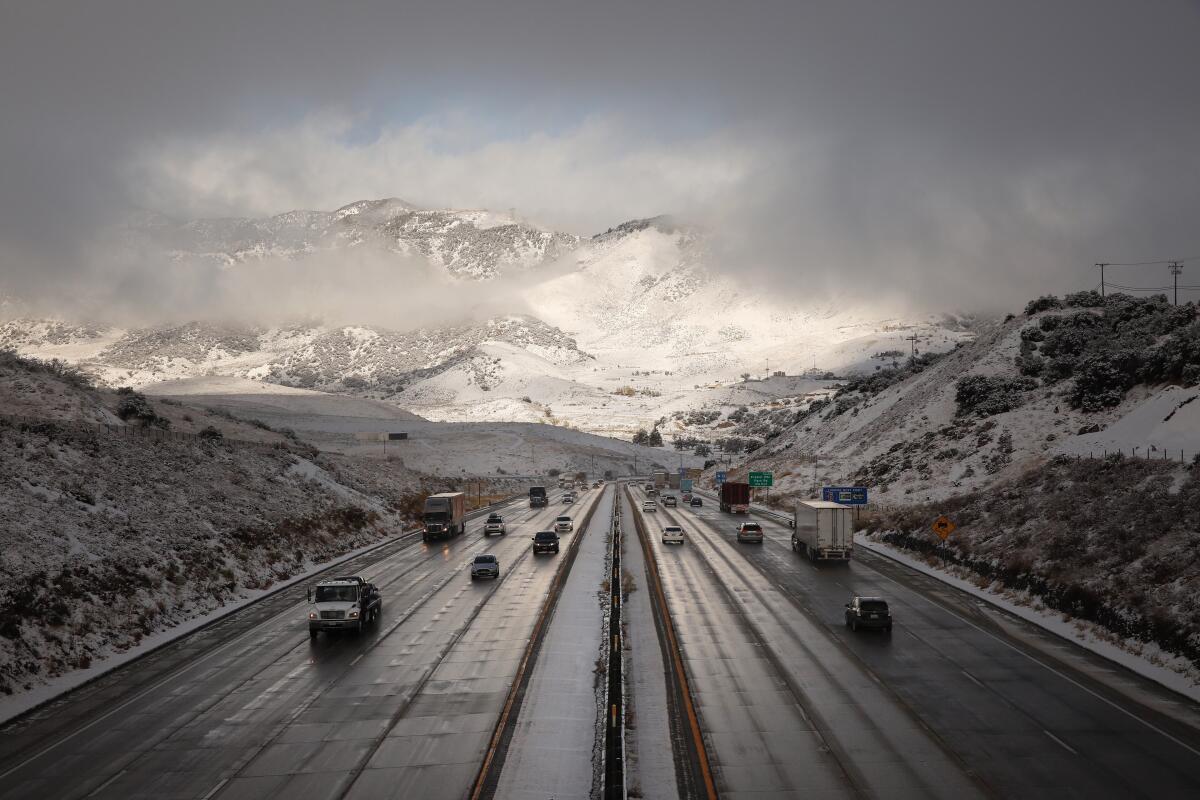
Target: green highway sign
<point>761,479</point>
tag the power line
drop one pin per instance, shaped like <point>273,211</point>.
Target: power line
<point>1165,261</point>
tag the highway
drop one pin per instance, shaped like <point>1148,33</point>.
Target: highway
<point>742,680</point>
<point>1014,722</point>
<point>407,710</point>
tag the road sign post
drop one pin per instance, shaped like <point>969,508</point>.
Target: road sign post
<point>846,495</point>
<point>720,477</point>
<point>943,526</point>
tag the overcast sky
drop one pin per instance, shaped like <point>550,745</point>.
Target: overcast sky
<point>968,153</point>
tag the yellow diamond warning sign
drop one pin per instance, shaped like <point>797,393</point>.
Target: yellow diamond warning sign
<point>943,527</point>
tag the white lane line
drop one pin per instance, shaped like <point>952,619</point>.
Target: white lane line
<point>357,658</point>
<point>1040,663</point>
<point>1064,745</point>
<point>974,680</point>
<point>215,789</point>
<point>102,786</point>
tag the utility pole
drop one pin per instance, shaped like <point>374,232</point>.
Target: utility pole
<point>912,341</point>
<point>1102,266</point>
<point>1176,268</point>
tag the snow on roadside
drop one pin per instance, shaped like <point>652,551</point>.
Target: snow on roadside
<point>1146,659</point>
<point>14,705</point>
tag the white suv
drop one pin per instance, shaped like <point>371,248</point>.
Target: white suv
<point>672,534</point>
<point>750,532</point>
<point>563,525</point>
<point>649,505</point>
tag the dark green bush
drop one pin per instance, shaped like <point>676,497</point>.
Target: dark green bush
<point>986,395</point>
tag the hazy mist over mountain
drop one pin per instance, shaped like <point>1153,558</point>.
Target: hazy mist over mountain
<point>947,154</point>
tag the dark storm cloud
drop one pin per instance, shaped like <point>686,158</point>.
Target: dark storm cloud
<point>969,152</point>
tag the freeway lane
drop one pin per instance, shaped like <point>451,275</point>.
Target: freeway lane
<point>1027,729</point>
<point>820,724</point>
<point>243,721</point>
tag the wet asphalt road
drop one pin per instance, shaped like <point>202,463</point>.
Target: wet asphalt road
<point>1021,723</point>
<point>405,710</point>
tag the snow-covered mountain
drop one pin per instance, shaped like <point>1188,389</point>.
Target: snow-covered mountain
<point>468,244</point>
<point>613,332</point>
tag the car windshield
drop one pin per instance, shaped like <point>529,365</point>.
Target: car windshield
<point>674,530</point>
<point>752,527</point>
<point>547,535</point>
<point>337,594</point>
<point>564,519</point>
<point>485,559</point>
<point>872,605</point>
<point>495,518</point>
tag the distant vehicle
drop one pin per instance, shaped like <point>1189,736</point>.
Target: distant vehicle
<point>568,497</point>
<point>652,492</point>
<point>343,604</point>
<point>824,531</point>
<point>485,566</point>
<point>696,502</point>
<point>735,497</point>
<point>597,484</point>
<point>563,525</point>
<point>649,505</point>
<point>545,542</point>
<point>868,612</point>
<point>445,515</point>
<point>537,497</point>
<point>649,487</point>
<point>670,502</point>
<point>686,497</point>
<point>750,532</point>
<point>494,525</point>
<point>660,479</point>
<point>673,480</point>
<point>672,534</point>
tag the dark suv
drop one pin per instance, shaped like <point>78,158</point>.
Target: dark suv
<point>545,542</point>
<point>868,612</point>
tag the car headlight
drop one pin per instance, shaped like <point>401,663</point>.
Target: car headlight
<point>354,614</point>
<point>312,615</point>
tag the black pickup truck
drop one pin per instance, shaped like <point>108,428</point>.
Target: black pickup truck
<point>343,604</point>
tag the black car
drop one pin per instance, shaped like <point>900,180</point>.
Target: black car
<point>697,502</point>
<point>545,542</point>
<point>868,612</point>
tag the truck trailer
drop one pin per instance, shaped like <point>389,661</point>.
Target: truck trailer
<point>537,497</point>
<point>445,515</point>
<point>824,531</point>
<point>735,497</point>
<point>673,480</point>
<point>660,479</point>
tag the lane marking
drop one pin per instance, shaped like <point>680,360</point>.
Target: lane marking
<point>1064,745</point>
<point>357,658</point>
<point>974,680</point>
<point>215,789</point>
<point>102,786</point>
<point>1037,661</point>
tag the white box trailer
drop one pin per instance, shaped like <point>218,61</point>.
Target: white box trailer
<point>824,531</point>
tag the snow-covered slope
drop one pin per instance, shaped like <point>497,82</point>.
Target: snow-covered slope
<point>613,333</point>
<point>468,244</point>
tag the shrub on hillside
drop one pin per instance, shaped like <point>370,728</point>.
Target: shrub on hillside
<point>133,406</point>
<point>986,395</point>
<point>1043,303</point>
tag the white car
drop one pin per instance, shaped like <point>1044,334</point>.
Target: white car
<point>672,534</point>
<point>649,505</point>
<point>485,566</point>
<point>569,497</point>
<point>494,525</point>
<point>669,501</point>
<point>563,525</point>
<point>750,532</point>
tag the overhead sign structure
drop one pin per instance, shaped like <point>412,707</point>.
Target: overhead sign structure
<point>682,471</point>
<point>762,479</point>
<point>720,477</point>
<point>943,526</point>
<point>846,495</point>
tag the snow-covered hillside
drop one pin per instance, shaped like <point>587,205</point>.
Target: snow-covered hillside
<point>468,244</point>
<point>613,333</point>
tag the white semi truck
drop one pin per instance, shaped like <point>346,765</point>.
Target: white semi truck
<point>824,531</point>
